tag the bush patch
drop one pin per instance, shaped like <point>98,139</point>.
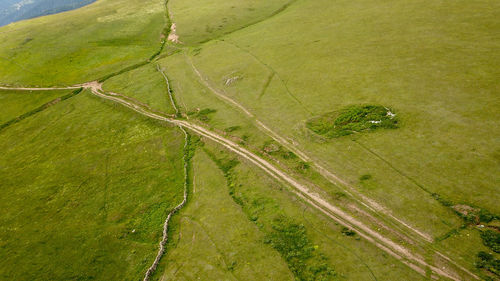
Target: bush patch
<point>353,119</point>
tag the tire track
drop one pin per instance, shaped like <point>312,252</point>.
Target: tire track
<point>394,249</point>
<point>345,186</point>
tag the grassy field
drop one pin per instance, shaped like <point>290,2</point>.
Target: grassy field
<point>88,197</point>
<point>144,84</point>
<point>444,96</point>
<point>81,45</point>
<point>199,21</point>
<point>16,103</point>
<point>279,216</point>
<point>215,230</point>
<point>88,183</point>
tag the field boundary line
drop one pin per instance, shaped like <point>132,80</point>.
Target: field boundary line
<point>39,109</point>
<point>332,178</point>
<point>385,244</point>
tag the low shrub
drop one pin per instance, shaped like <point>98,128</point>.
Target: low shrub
<point>291,241</point>
<point>365,177</point>
<point>491,239</point>
<point>488,262</point>
<point>348,232</point>
<point>353,119</point>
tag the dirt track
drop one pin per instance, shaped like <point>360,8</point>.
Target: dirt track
<point>394,249</point>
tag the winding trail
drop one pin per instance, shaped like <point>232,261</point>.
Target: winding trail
<point>394,249</point>
<point>391,247</point>
<point>332,178</point>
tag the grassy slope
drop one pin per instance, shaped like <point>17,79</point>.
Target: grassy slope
<point>440,81</point>
<point>263,199</point>
<point>80,45</point>
<point>15,103</point>
<point>386,53</point>
<point>434,64</point>
<point>225,16</point>
<point>214,229</point>
<point>88,197</point>
<point>144,84</point>
<point>191,96</point>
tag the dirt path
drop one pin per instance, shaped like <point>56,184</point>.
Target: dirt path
<point>394,249</point>
<point>347,188</point>
<point>332,178</point>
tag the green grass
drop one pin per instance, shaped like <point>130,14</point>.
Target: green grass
<point>294,65</point>
<point>315,245</point>
<point>16,103</point>
<point>378,53</point>
<point>353,119</point>
<point>81,45</point>
<point>212,239</point>
<point>199,21</point>
<point>144,84</point>
<point>89,195</point>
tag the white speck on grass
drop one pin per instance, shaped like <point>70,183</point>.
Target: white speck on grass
<point>389,113</point>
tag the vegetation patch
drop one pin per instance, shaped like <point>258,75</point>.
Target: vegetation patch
<point>365,177</point>
<point>282,233</point>
<point>491,239</point>
<point>291,241</point>
<point>488,262</point>
<point>202,114</point>
<point>232,129</point>
<point>348,232</point>
<point>353,119</point>
<point>274,149</point>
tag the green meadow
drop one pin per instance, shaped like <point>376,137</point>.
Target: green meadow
<point>397,100</point>
<point>86,190</point>
<point>81,45</point>
<point>16,103</point>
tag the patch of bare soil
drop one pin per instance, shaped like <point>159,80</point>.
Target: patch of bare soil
<point>172,36</point>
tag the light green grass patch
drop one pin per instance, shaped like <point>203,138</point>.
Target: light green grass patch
<point>213,239</point>
<point>198,21</point>
<point>85,192</point>
<point>15,103</point>
<point>144,84</point>
<point>80,45</point>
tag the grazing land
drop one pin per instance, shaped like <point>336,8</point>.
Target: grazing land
<point>251,140</point>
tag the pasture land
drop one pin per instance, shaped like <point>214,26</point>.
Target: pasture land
<point>87,189</point>
<point>88,183</point>
<point>81,45</point>
<point>16,103</point>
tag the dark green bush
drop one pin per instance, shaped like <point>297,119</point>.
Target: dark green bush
<point>291,241</point>
<point>488,261</point>
<point>353,119</point>
<point>491,239</point>
<point>348,232</point>
<point>365,177</point>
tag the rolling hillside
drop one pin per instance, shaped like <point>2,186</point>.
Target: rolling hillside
<point>250,140</point>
